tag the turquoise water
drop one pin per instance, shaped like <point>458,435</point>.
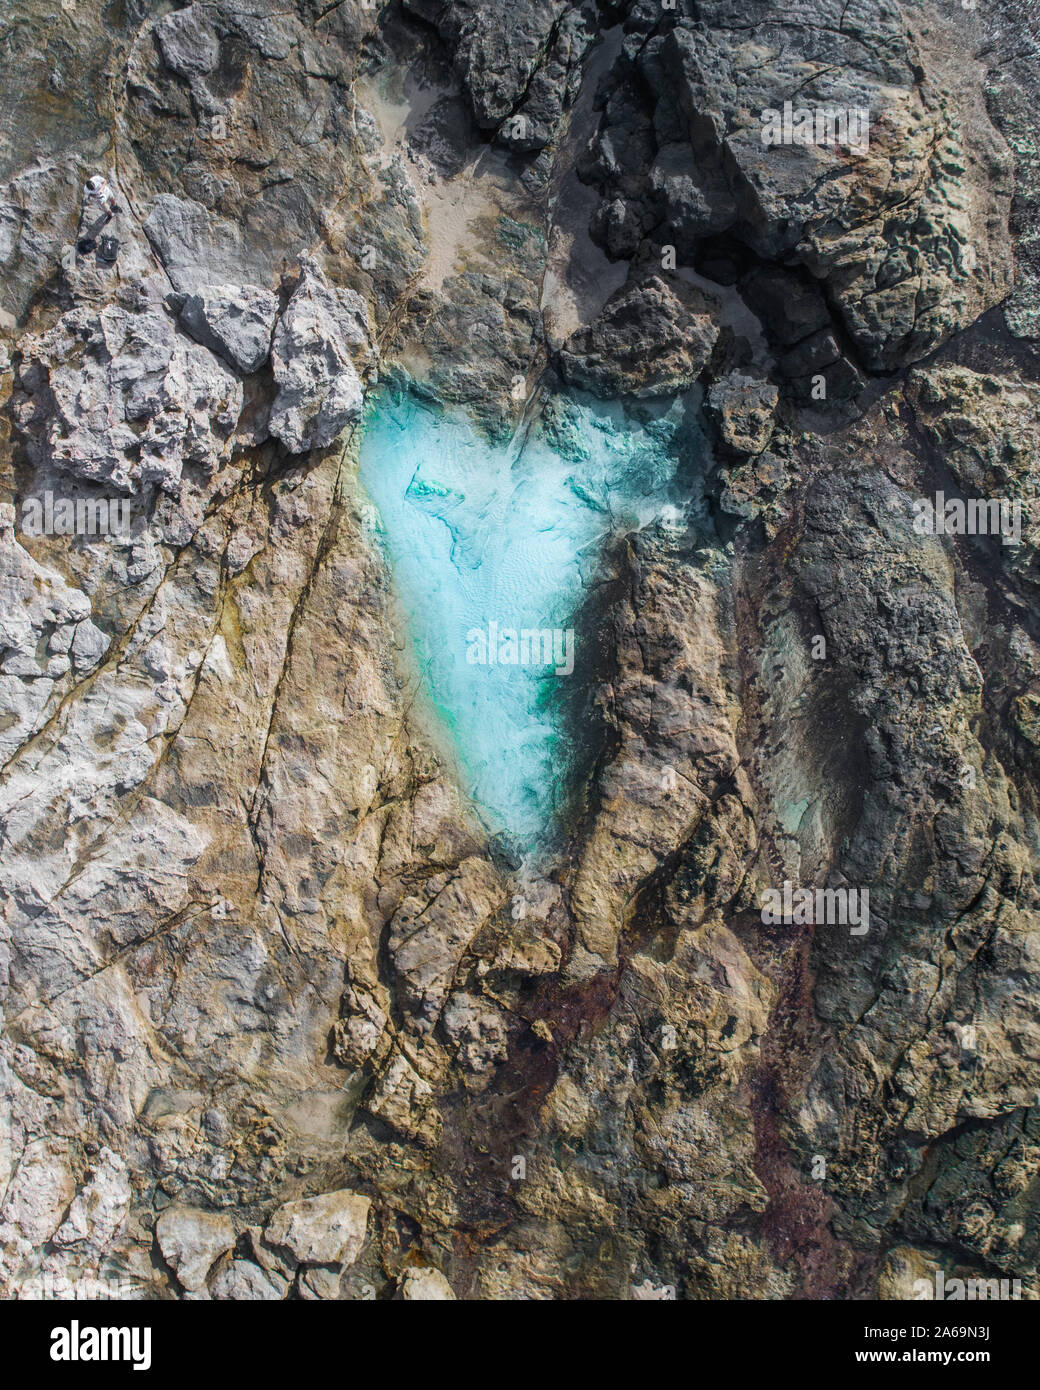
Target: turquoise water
<point>492,548</point>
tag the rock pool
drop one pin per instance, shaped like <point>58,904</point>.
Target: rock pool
<point>492,548</point>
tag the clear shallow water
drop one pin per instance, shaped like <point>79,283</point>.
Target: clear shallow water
<point>487,541</point>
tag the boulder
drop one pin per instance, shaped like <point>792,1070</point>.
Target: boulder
<point>325,1230</point>
<point>652,338</point>
<point>246,1282</point>
<point>743,408</point>
<point>317,339</point>
<point>425,1284</point>
<point>234,320</point>
<point>192,1241</point>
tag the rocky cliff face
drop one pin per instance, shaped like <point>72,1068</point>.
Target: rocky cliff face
<point>283,1015</point>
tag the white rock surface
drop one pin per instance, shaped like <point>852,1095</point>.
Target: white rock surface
<point>127,400</point>
<point>317,340</point>
<point>98,1211</point>
<point>245,1281</point>
<point>234,320</point>
<point>425,1285</point>
<point>191,1242</point>
<point>326,1230</point>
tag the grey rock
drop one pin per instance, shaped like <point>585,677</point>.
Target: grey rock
<point>319,1284</point>
<point>743,407</point>
<point>98,1212</point>
<point>318,338</point>
<point>499,53</point>
<point>198,247</point>
<point>791,308</point>
<point>235,320</point>
<point>34,600</point>
<point>126,401</point>
<point>39,206</point>
<point>88,645</point>
<point>245,1281</point>
<point>188,44</point>
<point>652,338</point>
<point>900,261</point>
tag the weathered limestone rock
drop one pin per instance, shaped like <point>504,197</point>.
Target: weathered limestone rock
<point>326,1230</point>
<point>41,619</point>
<point>188,44</point>
<point>430,933</point>
<point>198,249</point>
<point>191,1241</point>
<point>117,397</point>
<point>99,1209</point>
<point>318,1284</point>
<point>234,320</point>
<point>477,1031</point>
<point>671,762</point>
<point>423,1284</point>
<point>243,1280</point>
<point>315,343</point>
<point>987,429</point>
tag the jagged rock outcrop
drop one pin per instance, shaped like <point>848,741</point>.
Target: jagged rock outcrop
<point>233,320</point>
<point>904,222</point>
<point>118,397</point>
<point>743,408</point>
<point>651,339</point>
<point>319,390</point>
<point>282,1019</point>
<point>519,65</point>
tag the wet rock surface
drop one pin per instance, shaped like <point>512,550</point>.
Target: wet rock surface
<point>280,1018</point>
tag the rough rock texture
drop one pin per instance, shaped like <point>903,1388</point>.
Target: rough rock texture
<point>328,1230</point>
<point>520,62</point>
<point>234,320</point>
<point>909,235</point>
<point>743,408</point>
<point>191,1241</point>
<point>319,390</point>
<point>425,1285</point>
<point>280,1020</point>
<point>651,339</point>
